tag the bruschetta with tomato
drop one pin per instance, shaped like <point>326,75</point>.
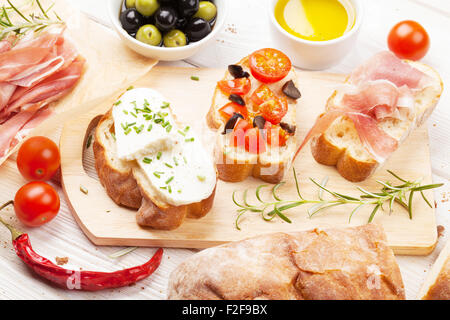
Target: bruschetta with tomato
<point>254,111</point>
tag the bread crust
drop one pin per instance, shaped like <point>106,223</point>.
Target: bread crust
<point>127,187</point>
<point>440,290</point>
<point>233,170</point>
<point>353,169</point>
<point>335,264</point>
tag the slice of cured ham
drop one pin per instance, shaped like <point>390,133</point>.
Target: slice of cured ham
<point>54,85</point>
<point>380,88</point>
<point>6,92</point>
<point>386,66</point>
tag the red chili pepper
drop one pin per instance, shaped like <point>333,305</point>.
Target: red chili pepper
<point>78,280</point>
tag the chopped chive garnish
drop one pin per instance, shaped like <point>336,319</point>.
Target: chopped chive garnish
<point>127,132</point>
<point>182,133</point>
<point>165,124</point>
<point>118,102</point>
<point>158,156</point>
<point>195,78</point>
<point>168,165</point>
<point>165,105</point>
<point>146,103</point>
<point>169,128</point>
<point>133,114</point>
<point>158,120</point>
<point>187,129</point>
<point>130,88</point>
<point>150,127</point>
<point>179,191</point>
<point>170,189</point>
<point>169,180</point>
<point>114,136</point>
<point>124,127</point>
<point>157,175</point>
<point>84,190</point>
<point>175,161</point>
<point>89,141</point>
<point>190,140</point>
<point>164,188</point>
<point>139,130</point>
<point>125,111</point>
<point>147,160</point>
<point>201,178</point>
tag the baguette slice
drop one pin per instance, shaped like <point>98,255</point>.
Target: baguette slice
<point>341,147</point>
<point>334,264</point>
<point>127,185</point>
<point>235,164</point>
<point>437,283</point>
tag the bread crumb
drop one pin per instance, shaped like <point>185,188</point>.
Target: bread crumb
<point>440,231</point>
<point>61,261</point>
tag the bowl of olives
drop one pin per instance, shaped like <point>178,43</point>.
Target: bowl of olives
<point>167,30</point>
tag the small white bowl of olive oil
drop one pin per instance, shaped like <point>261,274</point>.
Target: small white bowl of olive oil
<point>316,34</point>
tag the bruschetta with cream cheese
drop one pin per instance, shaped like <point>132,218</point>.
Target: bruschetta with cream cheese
<point>148,161</point>
<point>254,111</point>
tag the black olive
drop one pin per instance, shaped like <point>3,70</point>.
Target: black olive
<point>259,122</point>
<point>290,90</point>
<point>187,8</point>
<point>131,20</point>
<point>237,72</point>
<point>167,2</point>
<point>166,18</point>
<point>237,99</point>
<point>181,23</point>
<point>197,29</point>
<point>290,129</point>
<point>232,122</point>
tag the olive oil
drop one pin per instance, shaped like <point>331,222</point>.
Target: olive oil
<point>315,20</point>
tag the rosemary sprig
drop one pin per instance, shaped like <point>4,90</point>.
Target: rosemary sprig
<point>33,23</point>
<point>402,194</point>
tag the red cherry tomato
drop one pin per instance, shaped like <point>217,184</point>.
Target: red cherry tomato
<point>269,65</point>
<point>409,40</point>
<point>262,94</point>
<point>231,108</point>
<point>237,138</point>
<point>254,141</point>
<point>239,86</point>
<point>274,110</point>
<point>38,159</point>
<point>276,136</point>
<point>36,203</point>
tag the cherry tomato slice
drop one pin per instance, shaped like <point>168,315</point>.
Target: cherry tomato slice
<point>254,141</point>
<point>239,86</point>
<point>274,110</point>
<point>409,40</point>
<point>231,108</point>
<point>269,65</point>
<point>36,203</point>
<point>38,159</point>
<point>275,136</point>
<point>237,138</point>
<point>262,94</point>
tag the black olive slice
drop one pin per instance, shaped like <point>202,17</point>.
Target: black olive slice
<point>290,129</point>
<point>259,122</point>
<point>237,99</point>
<point>232,122</point>
<point>237,72</point>
<point>291,90</point>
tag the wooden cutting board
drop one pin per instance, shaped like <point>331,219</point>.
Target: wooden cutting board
<point>105,223</point>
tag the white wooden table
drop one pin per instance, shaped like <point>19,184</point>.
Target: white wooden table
<point>248,19</point>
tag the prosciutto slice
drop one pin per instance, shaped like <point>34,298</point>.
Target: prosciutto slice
<point>9,130</point>
<point>379,89</point>
<point>386,66</point>
<point>54,85</point>
<point>5,45</point>
<point>6,92</point>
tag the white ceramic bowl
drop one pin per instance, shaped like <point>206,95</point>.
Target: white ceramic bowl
<point>161,53</point>
<point>316,55</point>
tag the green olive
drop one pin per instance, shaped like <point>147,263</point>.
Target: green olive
<point>130,4</point>
<point>175,38</point>
<point>206,10</point>
<point>149,34</point>
<point>147,7</point>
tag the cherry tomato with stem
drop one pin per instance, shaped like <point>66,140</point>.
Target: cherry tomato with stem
<point>38,159</point>
<point>36,203</point>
